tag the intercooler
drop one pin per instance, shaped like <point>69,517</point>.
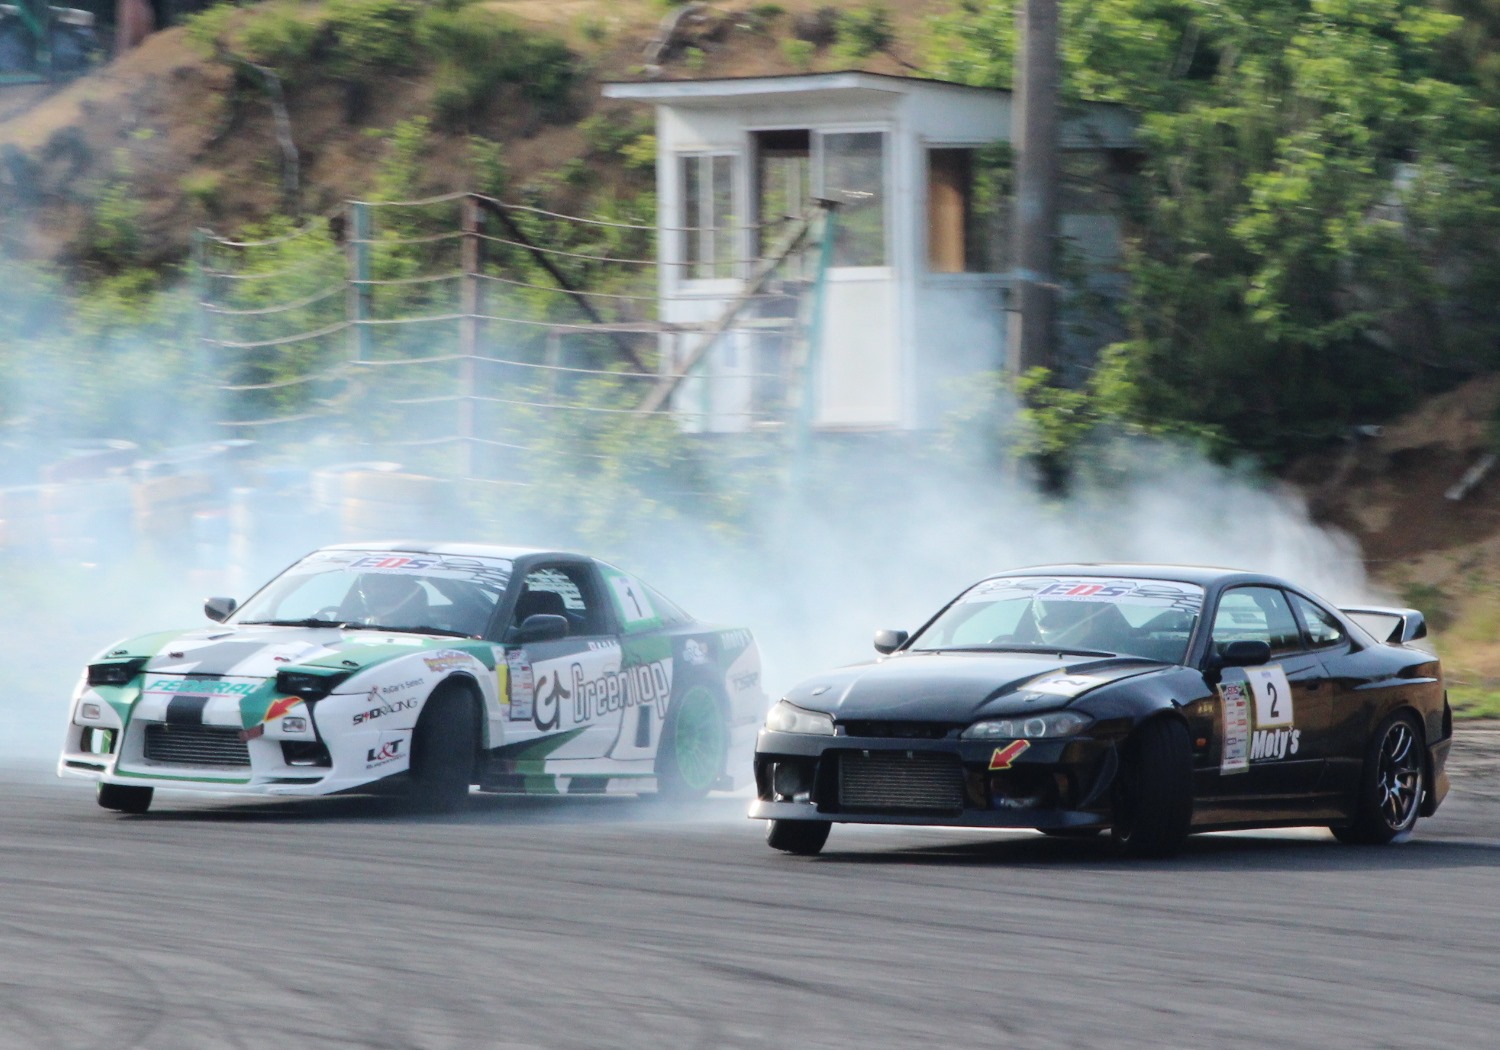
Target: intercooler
<point>900,781</point>
<point>195,745</point>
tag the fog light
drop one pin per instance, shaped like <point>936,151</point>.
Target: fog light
<point>98,741</point>
<point>90,711</point>
<point>790,779</point>
<point>294,724</point>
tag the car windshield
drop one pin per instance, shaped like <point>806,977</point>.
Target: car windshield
<point>386,590</point>
<point>1133,617</point>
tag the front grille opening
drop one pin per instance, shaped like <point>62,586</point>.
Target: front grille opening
<point>1028,788</point>
<point>900,782</point>
<point>196,746</point>
<point>305,753</point>
<point>898,730</point>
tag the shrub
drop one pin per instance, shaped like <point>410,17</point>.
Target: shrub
<point>280,36</point>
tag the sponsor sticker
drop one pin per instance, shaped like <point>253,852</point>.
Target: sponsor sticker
<point>694,652</point>
<point>203,686</point>
<point>390,749</point>
<point>1234,754</point>
<point>521,688</point>
<point>447,660</point>
<point>1005,756</point>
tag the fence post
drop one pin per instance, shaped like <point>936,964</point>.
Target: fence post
<point>472,262</point>
<point>359,295</point>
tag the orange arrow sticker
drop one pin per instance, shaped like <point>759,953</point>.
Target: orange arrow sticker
<point>281,707</point>
<point>1004,756</point>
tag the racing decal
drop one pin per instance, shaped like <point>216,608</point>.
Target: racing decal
<point>391,748</point>
<point>186,710</point>
<point>694,652</point>
<point>520,687</point>
<point>393,562</point>
<point>632,604</point>
<point>547,712</point>
<point>1234,752</point>
<point>734,641</point>
<point>1165,594</point>
<point>281,707</point>
<point>201,686</point>
<point>447,660</point>
<point>1271,744</point>
<point>746,681</point>
<point>1273,696</point>
<point>258,730</point>
<point>382,708</point>
<point>1063,684</point>
<point>617,690</point>
<point>1004,756</point>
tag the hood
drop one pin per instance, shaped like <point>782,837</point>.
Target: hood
<point>260,652</point>
<point>960,687</point>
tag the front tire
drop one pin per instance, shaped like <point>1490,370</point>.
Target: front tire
<point>805,838</point>
<point>122,798</point>
<point>442,753</point>
<point>1390,785</point>
<point>1153,794</point>
<point>694,745</point>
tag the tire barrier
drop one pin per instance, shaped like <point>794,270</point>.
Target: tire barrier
<point>164,509</point>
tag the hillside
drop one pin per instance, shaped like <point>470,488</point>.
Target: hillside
<point>193,138</point>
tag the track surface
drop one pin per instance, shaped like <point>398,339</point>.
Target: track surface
<point>622,923</point>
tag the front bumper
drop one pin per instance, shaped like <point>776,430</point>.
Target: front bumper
<point>218,753</point>
<point>1060,783</point>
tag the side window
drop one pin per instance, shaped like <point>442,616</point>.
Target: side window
<point>1322,629</point>
<point>562,590</point>
<point>1256,614</point>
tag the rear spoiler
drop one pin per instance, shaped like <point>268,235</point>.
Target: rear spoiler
<point>1395,626</point>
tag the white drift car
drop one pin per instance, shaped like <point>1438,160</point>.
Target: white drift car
<point>428,668</point>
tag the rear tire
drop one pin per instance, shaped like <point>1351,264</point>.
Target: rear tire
<point>123,798</point>
<point>1070,833</point>
<point>1153,792</point>
<point>694,745</point>
<point>442,753</point>
<point>1390,785</point>
<point>805,838</point>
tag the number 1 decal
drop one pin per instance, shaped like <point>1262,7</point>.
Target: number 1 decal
<point>1273,696</point>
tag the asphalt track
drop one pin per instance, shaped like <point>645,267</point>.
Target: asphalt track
<point>342,922</point>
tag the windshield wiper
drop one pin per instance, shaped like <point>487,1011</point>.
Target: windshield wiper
<point>415,629</point>
<point>311,621</point>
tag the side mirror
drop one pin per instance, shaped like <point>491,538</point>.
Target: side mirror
<point>219,609</point>
<point>1245,654</point>
<point>888,641</point>
<point>540,627</point>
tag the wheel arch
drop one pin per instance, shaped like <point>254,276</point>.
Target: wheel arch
<point>463,684</point>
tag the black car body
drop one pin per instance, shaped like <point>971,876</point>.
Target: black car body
<point>1152,701</point>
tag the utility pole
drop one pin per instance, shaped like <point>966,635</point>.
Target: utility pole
<point>1033,308</point>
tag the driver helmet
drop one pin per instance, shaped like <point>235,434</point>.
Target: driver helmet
<point>384,594</point>
<point>1056,619</point>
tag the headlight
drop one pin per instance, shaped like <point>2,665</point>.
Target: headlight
<point>788,718</point>
<point>1029,727</point>
<point>115,672</point>
<point>308,685</point>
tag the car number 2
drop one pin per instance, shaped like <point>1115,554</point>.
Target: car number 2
<point>1273,696</point>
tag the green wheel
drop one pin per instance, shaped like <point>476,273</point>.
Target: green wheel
<point>694,742</point>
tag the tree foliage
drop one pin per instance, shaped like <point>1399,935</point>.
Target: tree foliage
<point>1313,222</point>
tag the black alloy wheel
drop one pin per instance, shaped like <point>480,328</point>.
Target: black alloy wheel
<point>123,798</point>
<point>1153,792</point>
<point>1391,785</point>
<point>802,837</point>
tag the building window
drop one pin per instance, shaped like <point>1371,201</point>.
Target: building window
<point>966,195</point>
<point>854,176</point>
<point>708,237</point>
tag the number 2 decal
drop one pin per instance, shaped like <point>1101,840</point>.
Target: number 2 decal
<point>1273,696</point>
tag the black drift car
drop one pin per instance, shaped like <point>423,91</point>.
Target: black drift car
<point>1152,701</point>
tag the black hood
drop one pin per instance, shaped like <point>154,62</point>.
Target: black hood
<point>960,687</point>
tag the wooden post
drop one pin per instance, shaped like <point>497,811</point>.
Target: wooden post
<point>1032,341</point>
